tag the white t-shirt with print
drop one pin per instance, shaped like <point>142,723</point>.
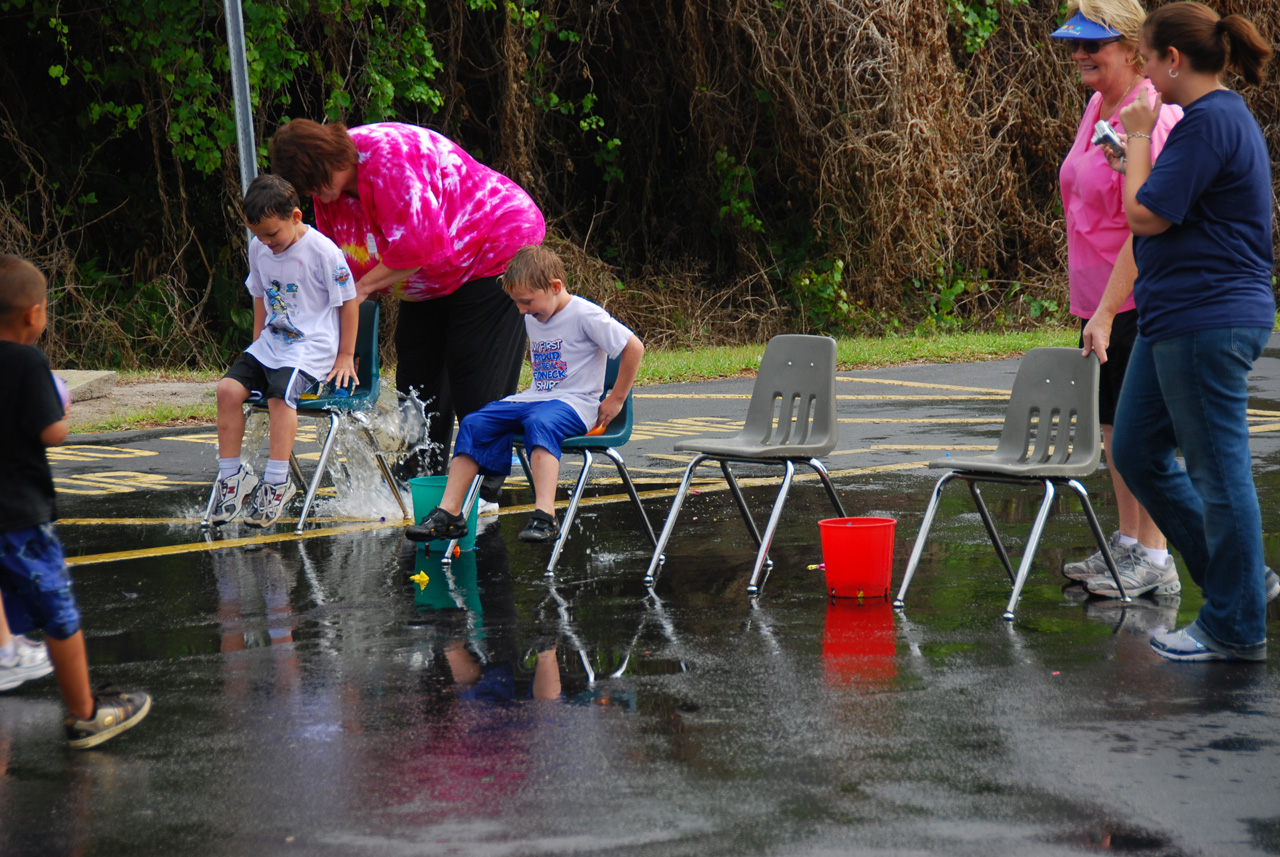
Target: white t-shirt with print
<point>302,289</point>
<point>569,354</point>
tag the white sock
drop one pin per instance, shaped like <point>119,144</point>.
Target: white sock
<point>277,472</point>
<point>1157,557</point>
<point>1127,541</point>
<point>9,651</point>
<point>227,467</point>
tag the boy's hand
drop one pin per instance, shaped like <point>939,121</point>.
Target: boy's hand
<point>343,373</point>
<point>608,410</point>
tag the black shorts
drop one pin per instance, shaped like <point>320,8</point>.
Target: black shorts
<point>284,383</point>
<point>1124,332</point>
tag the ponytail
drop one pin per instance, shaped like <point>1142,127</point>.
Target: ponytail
<point>1249,52</point>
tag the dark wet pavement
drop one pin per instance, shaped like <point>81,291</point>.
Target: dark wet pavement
<point>311,698</point>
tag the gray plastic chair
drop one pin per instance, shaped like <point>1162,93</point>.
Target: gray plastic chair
<point>1050,437</point>
<point>791,419</point>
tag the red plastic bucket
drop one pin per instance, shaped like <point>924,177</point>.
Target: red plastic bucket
<point>857,554</point>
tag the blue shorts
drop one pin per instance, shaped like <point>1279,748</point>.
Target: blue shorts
<point>35,585</point>
<point>485,435</point>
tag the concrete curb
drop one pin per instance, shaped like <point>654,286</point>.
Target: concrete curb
<point>135,435</point>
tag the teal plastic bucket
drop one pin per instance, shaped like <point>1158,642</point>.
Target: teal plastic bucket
<point>427,491</point>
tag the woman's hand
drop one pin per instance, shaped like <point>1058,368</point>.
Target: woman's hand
<point>1097,335</point>
<point>1139,116</point>
<point>1116,161</point>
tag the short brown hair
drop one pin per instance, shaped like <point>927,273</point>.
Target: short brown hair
<point>307,153</point>
<point>22,286</point>
<point>269,196</point>
<point>533,267</point>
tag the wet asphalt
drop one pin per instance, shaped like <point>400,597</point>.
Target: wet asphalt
<point>310,698</point>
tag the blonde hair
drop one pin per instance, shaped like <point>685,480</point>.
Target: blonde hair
<point>533,267</point>
<point>1124,16</point>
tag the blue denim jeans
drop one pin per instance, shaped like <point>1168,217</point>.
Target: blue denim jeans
<point>1190,393</point>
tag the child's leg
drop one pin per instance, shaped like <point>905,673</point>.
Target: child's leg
<point>71,668</point>
<point>546,470</point>
<point>284,431</point>
<point>544,428</point>
<point>231,398</point>
<point>5,636</point>
<point>462,470</point>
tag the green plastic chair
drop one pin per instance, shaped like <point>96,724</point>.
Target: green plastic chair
<point>617,433</point>
<point>1051,437</point>
<point>334,408</point>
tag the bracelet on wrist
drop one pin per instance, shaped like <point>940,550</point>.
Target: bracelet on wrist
<point>1140,135</point>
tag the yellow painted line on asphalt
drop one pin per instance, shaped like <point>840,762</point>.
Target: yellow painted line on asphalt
<point>941,447</point>
<point>205,546</point>
<point>89,452</point>
<point>975,397</point>
<point>924,420</point>
<point>889,382</point>
<point>1263,429</point>
<point>116,482</point>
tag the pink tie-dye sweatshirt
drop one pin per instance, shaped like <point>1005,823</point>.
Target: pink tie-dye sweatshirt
<point>425,203</point>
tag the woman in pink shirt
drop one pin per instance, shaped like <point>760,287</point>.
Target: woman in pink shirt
<point>1102,36</point>
<point>420,219</point>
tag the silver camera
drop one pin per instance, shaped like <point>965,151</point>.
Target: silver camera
<point>1105,135</point>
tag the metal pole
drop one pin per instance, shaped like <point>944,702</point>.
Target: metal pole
<point>240,93</point>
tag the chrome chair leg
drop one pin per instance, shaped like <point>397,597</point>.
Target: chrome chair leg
<point>826,483</point>
<point>334,419</point>
<point>473,492</point>
<point>1098,535</point>
<point>670,524</point>
<point>990,524</point>
<point>570,513</point>
<point>616,458</point>
<point>1029,555</point>
<point>753,586</point>
<point>918,548</point>
<point>741,501</point>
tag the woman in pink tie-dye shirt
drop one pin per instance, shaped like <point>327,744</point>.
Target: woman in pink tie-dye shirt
<point>420,219</point>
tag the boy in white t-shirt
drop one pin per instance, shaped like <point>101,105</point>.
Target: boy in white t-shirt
<point>305,316</point>
<point>570,341</point>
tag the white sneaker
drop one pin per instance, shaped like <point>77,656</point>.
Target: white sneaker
<point>486,507</point>
<point>1096,566</point>
<point>231,494</point>
<point>269,502</point>
<point>1139,575</point>
<point>31,661</point>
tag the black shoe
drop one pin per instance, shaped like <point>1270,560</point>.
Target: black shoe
<point>541,528</point>
<point>114,712</point>
<point>437,525</point>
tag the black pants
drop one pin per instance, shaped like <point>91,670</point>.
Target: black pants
<point>460,352</point>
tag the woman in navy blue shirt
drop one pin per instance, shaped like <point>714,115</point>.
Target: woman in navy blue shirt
<point>1202,224</point>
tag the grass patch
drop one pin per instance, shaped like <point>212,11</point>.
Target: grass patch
<point>161,415</point>
<point>661,366</point>
<point>148,376</point>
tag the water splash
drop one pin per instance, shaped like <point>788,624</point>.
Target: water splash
<point>398,427</point>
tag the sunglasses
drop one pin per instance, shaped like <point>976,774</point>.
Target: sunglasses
<point>1089,46</point>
